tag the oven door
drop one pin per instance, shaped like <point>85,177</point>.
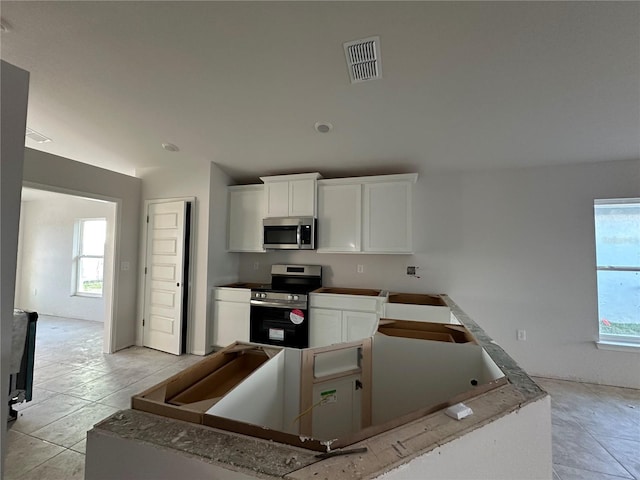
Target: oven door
<point>282,326</point>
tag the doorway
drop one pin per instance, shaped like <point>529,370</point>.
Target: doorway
<point>54,276</point>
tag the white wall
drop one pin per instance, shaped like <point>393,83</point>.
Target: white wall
<point>67,176</point>
<point>14,91</point>
<point>212,264</point>
<point>222,267</point>
<point>515,249</point>
<point>46,252</point>
<point>517,445</point>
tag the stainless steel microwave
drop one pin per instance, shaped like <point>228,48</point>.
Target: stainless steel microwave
<point>289,233</point>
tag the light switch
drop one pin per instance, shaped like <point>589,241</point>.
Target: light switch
<point>124,266</point>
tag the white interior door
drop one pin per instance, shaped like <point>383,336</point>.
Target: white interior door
<point>163,313</point>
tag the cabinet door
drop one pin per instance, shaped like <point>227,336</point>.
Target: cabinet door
<point>339,218</point>
<point>246,211</point>
<point>358,325</point>
<point>302,198</point>
<point>325,327</point>
<point>277,199</point>
<point>387,217</point>
<point>230,322</point>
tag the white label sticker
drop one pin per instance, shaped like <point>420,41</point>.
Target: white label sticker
<point>330,396</point>
<point>296,316</point>
<point>276,334</point>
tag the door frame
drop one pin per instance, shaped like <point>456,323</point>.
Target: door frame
<point>191,263</point>
<point>110,290</point>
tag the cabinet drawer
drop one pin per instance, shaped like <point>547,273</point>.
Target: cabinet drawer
<point>229,294</point>
<point>344,302</point>
<point>420,313</point>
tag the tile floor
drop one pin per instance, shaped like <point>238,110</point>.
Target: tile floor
<point>596,429</point>
<point>76,386</point>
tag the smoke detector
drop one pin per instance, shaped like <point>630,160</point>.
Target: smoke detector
<point>36,137</point>
<point>363,59</point>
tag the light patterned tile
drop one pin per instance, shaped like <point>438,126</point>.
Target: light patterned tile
<point>51,371</point>
<point>569,473</point>
<point>48,411</point>
<point>80,447</point>
<point>25,453</point>
<point>68,465</point>
<point>627,452</point>
<point>71,380</point>
<point>71,429</point>
<point>574,447</point>
<point>37,395</point>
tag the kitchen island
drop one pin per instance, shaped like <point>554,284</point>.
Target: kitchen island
<point>507,436</point>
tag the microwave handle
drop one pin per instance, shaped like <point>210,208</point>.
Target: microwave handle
<point>299,235</point>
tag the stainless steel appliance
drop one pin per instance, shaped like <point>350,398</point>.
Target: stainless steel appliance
<point>289,233</point>
<point>279,313</point>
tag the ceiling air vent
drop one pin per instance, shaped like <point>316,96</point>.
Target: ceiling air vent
<point>363,59</point>
<point>36,137</point>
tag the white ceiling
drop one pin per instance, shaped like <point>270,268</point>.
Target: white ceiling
<point>465,85</point>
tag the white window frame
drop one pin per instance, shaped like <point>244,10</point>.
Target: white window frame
<point>77,256</point>
<point>608,341</point>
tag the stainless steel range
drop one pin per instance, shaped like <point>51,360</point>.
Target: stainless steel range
<point>279,313</point>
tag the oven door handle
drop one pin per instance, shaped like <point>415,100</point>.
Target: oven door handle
<point>266,303</point>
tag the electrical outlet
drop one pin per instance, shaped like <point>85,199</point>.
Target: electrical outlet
<point>360,269</point>
<point>256,265</point>
<point>411,270</point>
<point>521,335</point>
<point>124,266</point>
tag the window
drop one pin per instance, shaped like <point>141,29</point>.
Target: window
<point>89,242</point>
<point>617,229</point>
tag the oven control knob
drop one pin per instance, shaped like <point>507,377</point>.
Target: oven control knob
<point>289,297</point>
<point>296,297</point>
<point>263,295</point>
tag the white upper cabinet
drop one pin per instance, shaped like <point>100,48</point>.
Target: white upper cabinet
<point>388,216</point>
<point>291,195</point>
<point>246,211</point>
<point>366,214</point>
<point>339,216</point>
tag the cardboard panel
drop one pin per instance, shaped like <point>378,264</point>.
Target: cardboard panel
<point>442,332</point>
<point>417,299</point>
<point>201,385</point>
<point>219,382</point>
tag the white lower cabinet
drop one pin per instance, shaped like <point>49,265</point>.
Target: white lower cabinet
<point>231,310</point>
<point>325,327</point>
<point>358,325</point>
<point>336,318</point>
